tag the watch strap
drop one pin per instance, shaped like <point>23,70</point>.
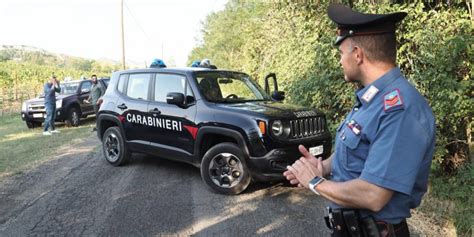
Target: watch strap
<point>314,182</point>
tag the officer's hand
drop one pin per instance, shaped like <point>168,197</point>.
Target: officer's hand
<point>315,164</point>
<point>291,177</point>
<point>302,172</point>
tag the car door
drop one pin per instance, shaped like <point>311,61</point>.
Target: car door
<point>173,126</point>
<point>84,92</point>
<point>132,104</point>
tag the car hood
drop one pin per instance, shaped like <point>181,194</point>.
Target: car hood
<point>272,109</point>
<point>40,99</point>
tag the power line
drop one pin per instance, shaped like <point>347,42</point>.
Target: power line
<point>136,22</point>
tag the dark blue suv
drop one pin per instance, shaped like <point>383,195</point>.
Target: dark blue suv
<point>220,121</point>
<point>70,105</point>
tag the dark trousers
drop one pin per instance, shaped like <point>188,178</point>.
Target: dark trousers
<point>50,116</point>
<point>96,109</point>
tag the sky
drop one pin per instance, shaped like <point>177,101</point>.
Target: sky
<point>167,29</point>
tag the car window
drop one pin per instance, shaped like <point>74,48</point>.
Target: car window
<point>225,87</point>
<point>138,86</point>
<point>230,87</point>
<point>86,86</point>
<point>121,83</point>
<point>68,88</point>
<point>166,83</point>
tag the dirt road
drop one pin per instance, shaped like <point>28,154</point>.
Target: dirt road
<point>79,193</point>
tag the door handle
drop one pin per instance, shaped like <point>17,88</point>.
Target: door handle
<point>122,106</point>
<point>155,111</point>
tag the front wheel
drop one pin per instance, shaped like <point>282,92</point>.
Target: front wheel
<point>33,124</point>
<point>223,168</point>
<point>114,147</point>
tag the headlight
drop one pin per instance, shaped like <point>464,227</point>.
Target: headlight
<point>277,128</point>
<point>59,103</point>
<point>23,106</point>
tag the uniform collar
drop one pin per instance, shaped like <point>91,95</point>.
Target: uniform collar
<point>366,94</point>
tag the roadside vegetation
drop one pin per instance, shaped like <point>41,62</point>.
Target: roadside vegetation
<point>24,70</point>
<point>295,40</point>
<point>22,148</point>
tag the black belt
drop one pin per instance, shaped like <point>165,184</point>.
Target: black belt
<point>348,222</point>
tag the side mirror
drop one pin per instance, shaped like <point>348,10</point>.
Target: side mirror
<point>84,91</point>
<point>175,98</point>
<point>267,85</point>
<point>278,95</point>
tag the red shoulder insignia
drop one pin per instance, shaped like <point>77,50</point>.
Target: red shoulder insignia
<point>392,100</point>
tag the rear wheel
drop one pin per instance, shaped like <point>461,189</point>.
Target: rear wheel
<point>73,117</point>
<point>223,168</point>
<point>114,147</point>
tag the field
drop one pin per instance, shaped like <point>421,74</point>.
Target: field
<point>22,148</point>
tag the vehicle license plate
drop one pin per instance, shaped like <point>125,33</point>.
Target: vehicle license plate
<point>37,115</point>
<point>316,150</point>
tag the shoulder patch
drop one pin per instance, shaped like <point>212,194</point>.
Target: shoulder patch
<point>392,100</point>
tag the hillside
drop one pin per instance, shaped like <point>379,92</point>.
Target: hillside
<point>30,54</point>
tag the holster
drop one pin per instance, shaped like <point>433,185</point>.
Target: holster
<point>370,227</point>
<point>351,218</point>
<point>348,222</point>
<point>343,222</point>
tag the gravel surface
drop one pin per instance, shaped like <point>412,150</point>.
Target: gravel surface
<point>79,193</point>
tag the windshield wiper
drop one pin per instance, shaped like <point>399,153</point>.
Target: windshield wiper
<point>257,100</point>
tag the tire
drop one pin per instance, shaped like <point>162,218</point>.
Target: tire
<point>33,124</point>
<point>73,117</point>
<point>114,148</point>
<point>224,169</point>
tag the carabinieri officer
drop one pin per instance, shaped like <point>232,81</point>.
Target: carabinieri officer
<point>384,147</point>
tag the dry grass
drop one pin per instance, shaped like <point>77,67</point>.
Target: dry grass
<point>22,148</point>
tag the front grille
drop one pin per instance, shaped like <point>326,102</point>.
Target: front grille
<point>36,108</point>
<point>307,127</point>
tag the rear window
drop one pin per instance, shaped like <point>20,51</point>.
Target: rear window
<point>138,85</point>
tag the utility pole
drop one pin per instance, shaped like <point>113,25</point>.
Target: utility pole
<point>123,36</point>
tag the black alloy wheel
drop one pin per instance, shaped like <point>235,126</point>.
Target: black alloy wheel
<point>223,168</point>
<point>114,147</point>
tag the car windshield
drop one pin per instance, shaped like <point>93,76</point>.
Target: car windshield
<point>229,87</point>
<point>68,88</point>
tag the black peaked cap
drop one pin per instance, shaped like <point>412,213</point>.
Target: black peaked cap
<point>351,23</point>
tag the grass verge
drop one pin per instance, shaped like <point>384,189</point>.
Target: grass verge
<point>22,148</point>
<point>451,199</point>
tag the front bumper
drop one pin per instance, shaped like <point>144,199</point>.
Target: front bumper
<point>39,116</point>
<point>271,166</point>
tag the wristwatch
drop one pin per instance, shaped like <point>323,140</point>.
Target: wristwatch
<point>314,182</point>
